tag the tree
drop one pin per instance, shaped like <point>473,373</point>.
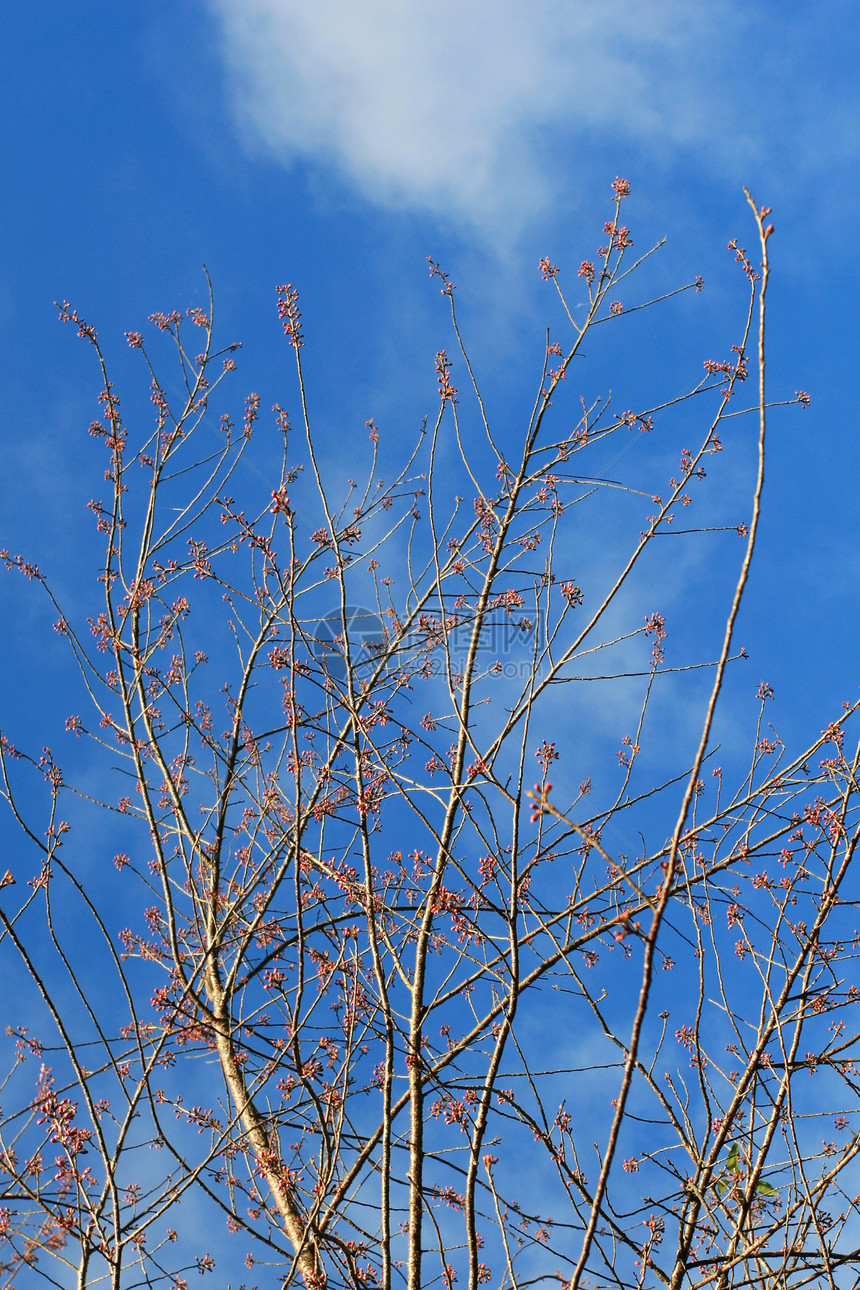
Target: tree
<point>390,1007</point>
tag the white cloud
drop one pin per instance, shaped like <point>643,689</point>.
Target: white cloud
<point>477,110</point>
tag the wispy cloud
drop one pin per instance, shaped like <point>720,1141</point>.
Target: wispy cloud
<point>478,110</point>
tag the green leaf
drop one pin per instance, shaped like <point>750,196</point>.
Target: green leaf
<point>733,1157</point>
<point>765,1189</point>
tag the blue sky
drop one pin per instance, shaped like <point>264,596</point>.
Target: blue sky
<point>337,145</point>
